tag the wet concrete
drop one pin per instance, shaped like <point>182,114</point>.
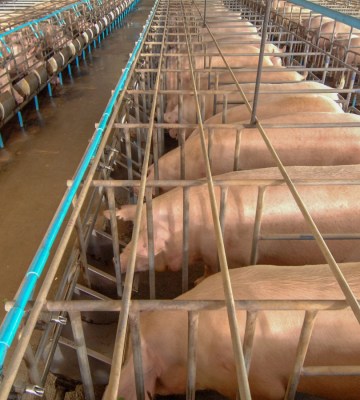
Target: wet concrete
<point>47,151</point>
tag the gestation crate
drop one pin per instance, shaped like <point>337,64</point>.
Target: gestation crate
<point>180,73</point>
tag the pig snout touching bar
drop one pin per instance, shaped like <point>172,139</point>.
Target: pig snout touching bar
<point>280,215</point>
<point>334,340</point>
<point>295,146</point>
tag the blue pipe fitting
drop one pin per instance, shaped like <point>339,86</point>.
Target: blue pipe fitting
<point>77,61</point>
<point>36,101</point>
<point>61,78</point>
<point>1,142</point>
<point>49,89</point>
<point>69,70</point>
<point>83,55</point>
<point>20,118</point>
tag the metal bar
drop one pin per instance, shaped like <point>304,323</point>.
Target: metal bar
<point>150,232</point>
<point>186,223</point>
<point>257,225</point>
<point>193,323</point>
<point>134,324</point>
<point>79,340</point>
<point>303,345</point>
<point>115,239</point>
<point>251,317</point>
<point>261,59</point>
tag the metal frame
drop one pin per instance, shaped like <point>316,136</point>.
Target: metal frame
<point>136,144</point>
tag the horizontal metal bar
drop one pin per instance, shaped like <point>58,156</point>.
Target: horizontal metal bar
<point>331,370</point>
<point>192,305</point>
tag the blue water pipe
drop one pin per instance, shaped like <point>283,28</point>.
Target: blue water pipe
<point>13,319</point>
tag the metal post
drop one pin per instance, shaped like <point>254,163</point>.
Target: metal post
<point>261,58</point>
<point>79,339</point>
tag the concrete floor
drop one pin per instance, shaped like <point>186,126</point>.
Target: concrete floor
<point>47,151</point>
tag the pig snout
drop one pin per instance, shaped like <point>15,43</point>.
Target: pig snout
<point>171,117</point>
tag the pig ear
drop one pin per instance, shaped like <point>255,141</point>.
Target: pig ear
<point>283,50</point>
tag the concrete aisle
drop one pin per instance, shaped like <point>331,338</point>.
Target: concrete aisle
<point>47,152</point>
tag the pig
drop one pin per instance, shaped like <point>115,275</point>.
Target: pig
<point>349,51</point>
<point>189,106</point>
<point>334,208</point>
<point>279,105</point>
<point>334,340</point>
<point>269,75</point>
<point>296,146</point>
<point>333,30</point>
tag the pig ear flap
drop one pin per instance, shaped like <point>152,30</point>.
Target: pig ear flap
<point>126,213</point>
<point>283,50</point>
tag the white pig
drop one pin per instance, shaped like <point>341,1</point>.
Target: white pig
<point>334,208</point>
<point>334,340</point>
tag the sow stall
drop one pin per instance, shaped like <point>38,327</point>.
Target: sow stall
<point>131,135</point>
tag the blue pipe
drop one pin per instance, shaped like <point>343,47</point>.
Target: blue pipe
<point>36,100</point>
<point>49,89</point>
<point>338,16</point>
<point>13,319</point>
<point>1,142</point>
<point>21,122</point>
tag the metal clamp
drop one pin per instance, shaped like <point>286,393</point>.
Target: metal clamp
<point>59,320</point>
<point>35,390</point>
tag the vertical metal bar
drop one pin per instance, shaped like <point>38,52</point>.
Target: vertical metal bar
<point>82,245</point>
<point>193,323</point>
<point>115,238</point>
<point>251,317</point>
<point>182,153</point>
<point>210,144</point>
<point>128,154</point>
<point>32,367</point>
<point>257,225</point>
<point>303,345</point>
<point>237,149</point>
<point>185,262</point>
<point>223,201</point>
<point>261,58</point>
<point>150,232</point>
<point>79,339</point>
<point>134,324</point>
